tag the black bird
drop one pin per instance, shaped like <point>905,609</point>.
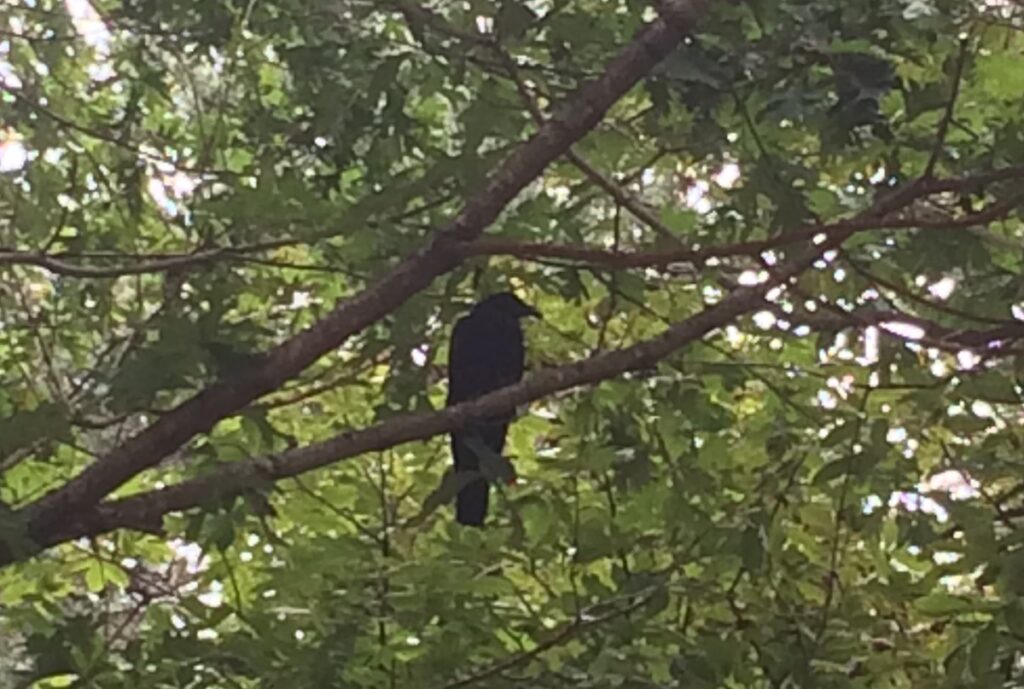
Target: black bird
<point>486,353</point>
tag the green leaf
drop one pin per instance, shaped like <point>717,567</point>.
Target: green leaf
<point>1001,74</point>
<point>55,681</point>
<point>991,386</point>
<point>513,19</point>
<point>835,469</point>
<point>842,434</point>
<point>941,604</point>
<point>48,421</point>
<point>493,466</point>
<point>984,651</point>
<point>95,577</point>
<point>1014,615</point>
<point>451,483</point>
<point>679,220</point>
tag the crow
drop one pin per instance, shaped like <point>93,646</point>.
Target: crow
<point>486,353</point>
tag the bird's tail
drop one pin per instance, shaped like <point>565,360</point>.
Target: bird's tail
<point>471,503</point>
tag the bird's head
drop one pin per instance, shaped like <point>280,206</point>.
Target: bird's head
<point>505,305</point>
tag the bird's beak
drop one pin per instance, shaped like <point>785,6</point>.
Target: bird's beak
<point>533,313</point>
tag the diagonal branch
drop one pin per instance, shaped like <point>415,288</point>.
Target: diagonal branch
<point>146,510</point>
<point>416,15</point>
<point>619,194</point>
<point>573,120</point>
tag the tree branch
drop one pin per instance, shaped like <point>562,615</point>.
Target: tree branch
<point>65,515</point>
<point>146,510</point>
<point>57,265</point>
<point>619,194</point>
<point>947,116</point>
<point>660,258</point>
<point>573,120</point>
<point>935,335</point>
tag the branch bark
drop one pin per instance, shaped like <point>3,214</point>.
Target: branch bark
<point>661,258</point>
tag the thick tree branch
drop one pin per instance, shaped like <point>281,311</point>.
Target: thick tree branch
<point>577,116</point>
<point>77,264</point>
<point>145,511</point>
<point>69,520</point>
<point>62,263</point>
<point>621,196</point>
<point>660,258</point>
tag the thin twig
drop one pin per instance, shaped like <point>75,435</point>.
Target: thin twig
<point>947,116</point>
<point>568,631</point>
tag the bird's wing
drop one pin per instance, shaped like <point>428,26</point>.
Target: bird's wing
<point>482,358</point>
<point>464,370</point>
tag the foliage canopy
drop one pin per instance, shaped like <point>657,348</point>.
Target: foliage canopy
<point>774,434</point>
